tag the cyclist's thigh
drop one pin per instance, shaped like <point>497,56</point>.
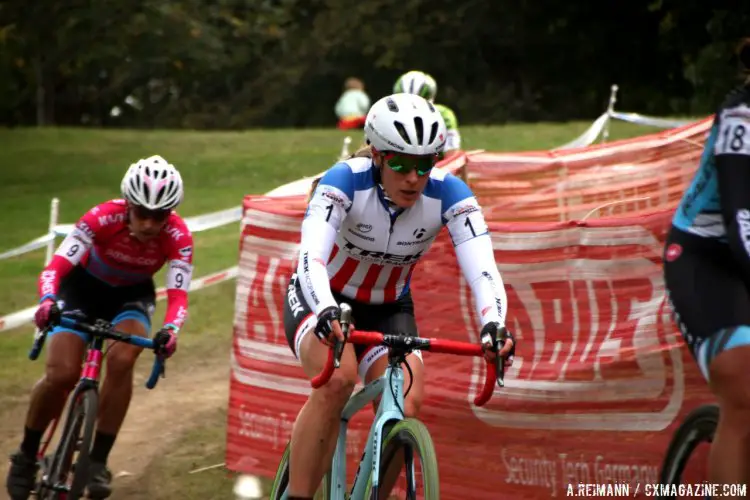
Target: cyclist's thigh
<point>314,356</point>
<point>65,347</point>
<point>299,320</point>
<point>132,307</point>
<point>299,325</point>
<point>710,300</point>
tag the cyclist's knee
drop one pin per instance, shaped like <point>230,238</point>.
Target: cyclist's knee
<point>415,382</point>
<point>120,361</point>
<point>412,405</point>
<point>62,374</point>
<point>337,390</point>
<point>121,357</point>
<point>730,378</point>
<point>63,365</point>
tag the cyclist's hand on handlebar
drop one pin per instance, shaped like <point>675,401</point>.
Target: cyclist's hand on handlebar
<point>46,313</point>
<point>498,341</point>
<point>166,342</point>
<point>328,327</point>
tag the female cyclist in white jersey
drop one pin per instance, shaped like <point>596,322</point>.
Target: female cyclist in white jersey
<point>369,221</point>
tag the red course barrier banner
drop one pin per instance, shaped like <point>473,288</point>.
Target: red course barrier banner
<point>601,378</point>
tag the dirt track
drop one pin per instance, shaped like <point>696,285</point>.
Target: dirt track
<point>155,420</point>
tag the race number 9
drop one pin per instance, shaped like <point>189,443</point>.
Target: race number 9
<point>178,277</point>
<point>72,248</point>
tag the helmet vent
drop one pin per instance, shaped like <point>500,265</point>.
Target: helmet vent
<point>433,132</point>
<point>392,105</point>
<point>402,132</point>
<point>419,126</point>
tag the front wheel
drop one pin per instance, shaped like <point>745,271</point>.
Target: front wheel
<point>281,480</point>
<point>698,427</point>
<point>68,473</point>
<point>411,436</point>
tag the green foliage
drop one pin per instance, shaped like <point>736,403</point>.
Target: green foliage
<point>249,63</point>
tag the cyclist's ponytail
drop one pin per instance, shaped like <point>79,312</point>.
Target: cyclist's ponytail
<point>314,186</point>
<point>365,151</point>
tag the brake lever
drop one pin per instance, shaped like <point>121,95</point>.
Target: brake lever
<point>345,321</point>
<point>495,347</point>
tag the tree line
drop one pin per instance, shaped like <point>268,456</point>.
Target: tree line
<point>230,64</point>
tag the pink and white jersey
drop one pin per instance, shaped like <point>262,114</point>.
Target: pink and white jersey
<point>102,244</point>
<point>354,243</point>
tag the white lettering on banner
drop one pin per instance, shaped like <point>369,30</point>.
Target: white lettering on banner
<point>111,219</point>
<point>633,474</point>
<point>266,284</point>
<point>558,470</point>
<point>592,337</point>
<point>531,470</point>
<point>275,428</point>
<point>269,427</point>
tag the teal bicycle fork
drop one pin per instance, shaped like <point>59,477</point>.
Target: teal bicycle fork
<point>390,387</point>
<point>390,410</point>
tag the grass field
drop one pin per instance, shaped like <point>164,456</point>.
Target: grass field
<point>84,167</point>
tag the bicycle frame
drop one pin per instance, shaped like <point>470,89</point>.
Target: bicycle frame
<point>90,375</point>
<point>388,410</point>
<point>390,407</point>
<point>92,364</point>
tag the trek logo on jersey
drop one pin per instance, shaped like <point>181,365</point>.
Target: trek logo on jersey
<point>384,257</point>
<point>105,220</point>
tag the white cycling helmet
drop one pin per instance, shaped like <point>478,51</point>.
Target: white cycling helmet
<point>416,82</point>
<point>405,123</point>
<point>152,183</point>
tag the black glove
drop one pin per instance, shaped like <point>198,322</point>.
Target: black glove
<point>165,342</point>
<point>493,336</point>
<point>327,316</point>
